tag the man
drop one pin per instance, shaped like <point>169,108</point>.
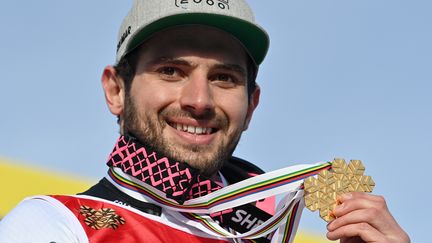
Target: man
<point>183,89</point>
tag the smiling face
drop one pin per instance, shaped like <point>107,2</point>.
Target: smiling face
<point>189,96</point>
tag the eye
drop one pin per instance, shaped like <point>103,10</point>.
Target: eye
<point>224,77</point>
<point>226,80</point>
<point>169,73</point>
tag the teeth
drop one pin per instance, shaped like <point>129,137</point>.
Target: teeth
<point>192,129</point>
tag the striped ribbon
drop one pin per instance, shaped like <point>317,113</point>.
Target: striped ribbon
<point>195,212</point>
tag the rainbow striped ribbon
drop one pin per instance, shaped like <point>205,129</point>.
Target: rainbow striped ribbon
<point>195,212</point>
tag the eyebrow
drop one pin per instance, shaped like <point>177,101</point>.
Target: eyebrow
<point>170,60</point>
<point>182,62</point>
<point>232,67</point>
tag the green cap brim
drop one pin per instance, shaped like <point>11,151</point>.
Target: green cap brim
<point>254,39</point>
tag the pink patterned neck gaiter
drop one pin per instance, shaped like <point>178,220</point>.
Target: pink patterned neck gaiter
<point>177,179</point>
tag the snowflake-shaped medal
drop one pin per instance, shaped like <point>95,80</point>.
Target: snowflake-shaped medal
<point>321,193</point>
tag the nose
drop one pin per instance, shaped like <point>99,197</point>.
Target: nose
<point>196,95</point>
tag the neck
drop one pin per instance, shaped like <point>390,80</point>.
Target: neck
<point>176,179</point>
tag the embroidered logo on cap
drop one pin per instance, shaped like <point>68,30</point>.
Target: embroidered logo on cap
<point>125,34</point>
<point>222,4</point>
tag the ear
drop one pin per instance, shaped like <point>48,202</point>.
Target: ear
<point>253,103</point>
<point>113,87</point>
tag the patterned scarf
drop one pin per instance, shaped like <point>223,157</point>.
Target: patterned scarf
<point>176,179</point>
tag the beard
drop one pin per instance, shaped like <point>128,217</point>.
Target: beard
<point>207,159</point>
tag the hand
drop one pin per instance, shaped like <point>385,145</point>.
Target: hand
<point>362,217</point>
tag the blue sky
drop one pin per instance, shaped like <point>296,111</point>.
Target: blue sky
<point>347,79</point>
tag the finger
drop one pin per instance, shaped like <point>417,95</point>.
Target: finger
<point>357,201</point>
<point>359,196</point>
<point>355,217</point>
<point>363,230</point>
<point>361,207</point>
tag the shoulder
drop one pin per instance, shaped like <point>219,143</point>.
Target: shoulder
<point>39,219</point>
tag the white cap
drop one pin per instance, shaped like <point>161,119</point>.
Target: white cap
<point>233,16</point>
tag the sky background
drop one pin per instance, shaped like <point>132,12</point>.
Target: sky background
<point>343,78</point>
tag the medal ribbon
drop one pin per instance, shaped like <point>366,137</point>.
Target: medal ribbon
<point>191,198</point>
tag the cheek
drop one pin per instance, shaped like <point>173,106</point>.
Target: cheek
<point>235,107</point>
<point>151,95</point>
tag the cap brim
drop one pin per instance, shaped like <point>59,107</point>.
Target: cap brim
<point>253,38</point>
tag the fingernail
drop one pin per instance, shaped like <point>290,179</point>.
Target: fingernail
<point>329,225</point>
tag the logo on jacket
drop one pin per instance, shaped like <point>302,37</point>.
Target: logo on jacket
<point>102,218</point>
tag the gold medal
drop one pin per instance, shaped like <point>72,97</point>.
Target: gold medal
<point>321,193</point>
